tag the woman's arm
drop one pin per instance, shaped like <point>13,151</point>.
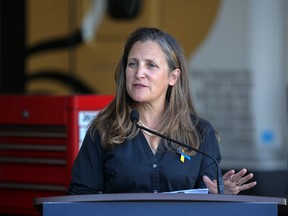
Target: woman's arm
<point>87,172</point>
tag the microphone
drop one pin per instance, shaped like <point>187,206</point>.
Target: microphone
<point>134,117</point>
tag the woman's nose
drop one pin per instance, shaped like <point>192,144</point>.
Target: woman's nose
<point>140,72</point>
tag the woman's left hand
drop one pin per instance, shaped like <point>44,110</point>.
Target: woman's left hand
<point>233,182</point>
<point>236,182</point>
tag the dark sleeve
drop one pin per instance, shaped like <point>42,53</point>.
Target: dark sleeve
<point>210,146</point>
<point>87,171</point>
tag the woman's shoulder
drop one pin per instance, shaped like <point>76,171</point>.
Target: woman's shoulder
<point>203,126</point>
<point>201,123</point>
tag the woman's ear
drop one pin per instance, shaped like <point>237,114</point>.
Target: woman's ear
<point>173,77</point>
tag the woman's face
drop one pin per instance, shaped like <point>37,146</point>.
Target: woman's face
<point>147,73</point>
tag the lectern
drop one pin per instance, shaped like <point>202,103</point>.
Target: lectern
<point>163,204</point>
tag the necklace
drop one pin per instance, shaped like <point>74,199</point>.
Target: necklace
<point>146,132</point>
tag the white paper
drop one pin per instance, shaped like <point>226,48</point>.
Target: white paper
<point>192,191</point>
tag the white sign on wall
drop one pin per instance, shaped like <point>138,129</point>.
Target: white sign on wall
<point>84,119</point>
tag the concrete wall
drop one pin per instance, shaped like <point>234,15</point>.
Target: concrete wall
<point>239,76</point>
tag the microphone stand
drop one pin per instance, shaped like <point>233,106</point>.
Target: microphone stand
<point>220,186</point>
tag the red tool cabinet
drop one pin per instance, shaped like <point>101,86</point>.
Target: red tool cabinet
<point>39,140</point>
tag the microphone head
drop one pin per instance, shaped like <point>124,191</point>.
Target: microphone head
<point>134,116</point>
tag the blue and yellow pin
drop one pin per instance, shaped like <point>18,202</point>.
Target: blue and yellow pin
<point>183,155</point>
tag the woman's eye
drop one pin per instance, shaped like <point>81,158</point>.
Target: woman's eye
<point>151,65</point>
<point>131,64</point>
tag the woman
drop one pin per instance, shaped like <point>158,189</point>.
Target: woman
<point>118,157</point>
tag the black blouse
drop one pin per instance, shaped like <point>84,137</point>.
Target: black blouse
<point>132,167</point>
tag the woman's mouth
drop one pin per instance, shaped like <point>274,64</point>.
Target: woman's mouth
<point>138,85</point>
